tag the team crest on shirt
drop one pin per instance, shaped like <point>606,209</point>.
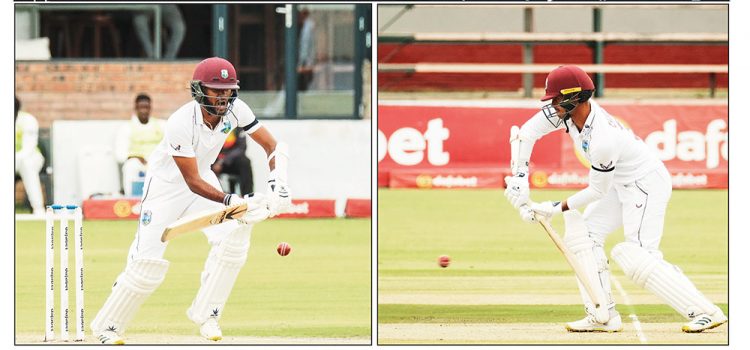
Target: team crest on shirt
<point>224,74</point>
<point>227,127</point>
<point>585,145</point>
<point>146,217</point>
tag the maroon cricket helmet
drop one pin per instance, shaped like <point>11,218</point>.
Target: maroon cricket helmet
<point>216,73</point>
<point>565,80</point>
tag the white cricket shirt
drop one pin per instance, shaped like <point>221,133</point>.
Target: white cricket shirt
<point>186,135</point>
<point>616,154</point>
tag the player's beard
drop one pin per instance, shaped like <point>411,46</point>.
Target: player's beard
<point>220,109</point>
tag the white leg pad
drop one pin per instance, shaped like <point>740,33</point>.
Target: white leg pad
<point>591,257</point>
<point>220,272</point>
<point>663,279</point>
<point>140,278</point>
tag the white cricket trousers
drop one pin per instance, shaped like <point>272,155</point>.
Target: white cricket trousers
<point>29,168</point>
<point>162,204</point>
<point>639,207</point>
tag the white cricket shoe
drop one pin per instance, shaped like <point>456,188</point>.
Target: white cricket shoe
<point>589,324</point>
<point>110,338</point>
<point>210,329</point>
<point>703,322</point>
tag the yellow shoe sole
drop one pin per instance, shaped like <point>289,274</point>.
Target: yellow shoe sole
<point>688,330</point>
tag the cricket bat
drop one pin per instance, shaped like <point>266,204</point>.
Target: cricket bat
<point>202,220</point>
<point>601,312</point>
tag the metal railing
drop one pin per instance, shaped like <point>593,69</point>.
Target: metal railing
<point>552,38</point>
<point>484,68</point>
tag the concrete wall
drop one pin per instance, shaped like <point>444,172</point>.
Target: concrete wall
<point>329,159</point>
<point>555,18</point>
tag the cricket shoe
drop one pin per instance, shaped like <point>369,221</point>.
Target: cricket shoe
<point>110,337</point>
<point>703,322</point>
<point>210,329</point>
<point>589,324</point>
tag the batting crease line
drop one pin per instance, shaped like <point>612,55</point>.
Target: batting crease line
<point>633,317</point>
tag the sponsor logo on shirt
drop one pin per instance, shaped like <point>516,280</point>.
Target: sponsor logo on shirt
<point>176,148</point>
<point>607,166</point>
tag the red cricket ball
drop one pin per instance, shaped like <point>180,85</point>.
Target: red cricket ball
<point>444,261</point>
<point>284,249</point>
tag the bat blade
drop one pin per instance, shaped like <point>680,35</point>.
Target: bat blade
<point>202,220</point>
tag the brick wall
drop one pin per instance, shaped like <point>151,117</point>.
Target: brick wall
<point>100,90</point>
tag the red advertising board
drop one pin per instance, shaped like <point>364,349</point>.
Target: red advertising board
<point>358,208</point>
<point>311,208</point>
<point>109,209</point>
<point>463,177</point>
<point>467,146</point>
<point>435,137</point>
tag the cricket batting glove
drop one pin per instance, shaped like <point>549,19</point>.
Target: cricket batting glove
<point>232,199</point>
<point>527,215</point>
<point>547,209</point>
<point>517,190</point>
<point>257,209</point>
<point>280,195</point>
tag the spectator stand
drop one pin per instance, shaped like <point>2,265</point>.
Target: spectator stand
<point>597,40</point>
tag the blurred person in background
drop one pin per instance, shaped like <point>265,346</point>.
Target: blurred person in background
<point>232,160</point>
<point>135,142</point>
<point>172,18</point>
<point>29,160</point>
<point>306,52</point>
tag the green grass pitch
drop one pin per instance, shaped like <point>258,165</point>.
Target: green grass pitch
<point>322,289</point>
<point>505,271</point>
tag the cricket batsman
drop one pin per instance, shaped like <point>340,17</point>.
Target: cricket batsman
<point>179,182</point>
<point>629,186</point>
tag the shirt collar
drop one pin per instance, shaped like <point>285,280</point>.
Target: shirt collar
<point>197,115</point>
<point>587,125</point>
<point>591,116</point>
